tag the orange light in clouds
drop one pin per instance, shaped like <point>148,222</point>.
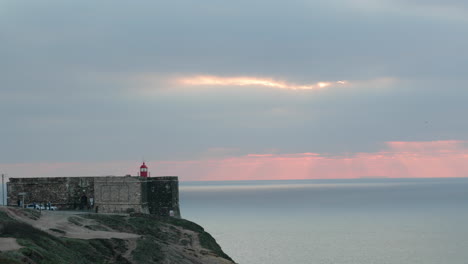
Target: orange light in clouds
<point>210,80</point>
<point>323,84</point>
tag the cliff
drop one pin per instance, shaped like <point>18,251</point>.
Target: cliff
<point>28,236</point>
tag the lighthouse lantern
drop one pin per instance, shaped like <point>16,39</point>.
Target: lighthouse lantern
<point>143,170</point>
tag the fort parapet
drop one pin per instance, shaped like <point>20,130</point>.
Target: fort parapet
<point>110,194</point>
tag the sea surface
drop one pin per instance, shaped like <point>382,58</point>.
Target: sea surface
<point>365,221</point>
<point>3,194</point>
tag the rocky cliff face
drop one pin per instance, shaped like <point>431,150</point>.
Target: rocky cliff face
<point>27,236</point>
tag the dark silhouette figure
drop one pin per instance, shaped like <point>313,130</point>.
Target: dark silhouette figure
<point>83,202</point>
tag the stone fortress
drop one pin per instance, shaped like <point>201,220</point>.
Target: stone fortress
<point>107,194</point>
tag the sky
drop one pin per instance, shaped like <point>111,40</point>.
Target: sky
<point>234,90</point>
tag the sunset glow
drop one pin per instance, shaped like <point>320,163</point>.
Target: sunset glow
<point>431,159</point>
<point>209,80</point>
<point>340,123</point>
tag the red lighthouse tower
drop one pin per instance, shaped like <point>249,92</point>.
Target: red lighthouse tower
<point>144,170</point>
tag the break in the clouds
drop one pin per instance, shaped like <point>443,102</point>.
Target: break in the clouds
<point>211,80</point>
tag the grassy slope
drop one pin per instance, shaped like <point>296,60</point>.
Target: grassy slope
<point>150,227</point>
<point>41,247</point>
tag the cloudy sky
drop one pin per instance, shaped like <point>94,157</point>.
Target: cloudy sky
<point>234,90</point>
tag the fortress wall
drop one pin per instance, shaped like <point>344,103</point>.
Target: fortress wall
<point>63,192</point>
<point>118,195</point>
<point>111,194</point>
<point>163,195</point>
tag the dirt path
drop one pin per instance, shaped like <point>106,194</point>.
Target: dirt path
<point>59,220</point>
<point>8,243</point>
<point>186,247</point>
<point>131,245</point>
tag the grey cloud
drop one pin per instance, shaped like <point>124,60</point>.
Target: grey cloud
<point>61,100</point>
<point>441,3</point>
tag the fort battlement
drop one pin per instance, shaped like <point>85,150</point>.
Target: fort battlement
<point>109,194</point>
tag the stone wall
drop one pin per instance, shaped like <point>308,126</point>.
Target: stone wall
<point>63,192</point>
<point>163,196</point>
<point>118,195</point>
<point>112,194</point>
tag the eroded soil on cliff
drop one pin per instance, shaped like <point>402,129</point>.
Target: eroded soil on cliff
<point>9,244</point>
<point>49,221</point>
<point>145,239</point>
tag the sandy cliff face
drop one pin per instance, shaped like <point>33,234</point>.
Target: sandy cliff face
<point>27,236</point>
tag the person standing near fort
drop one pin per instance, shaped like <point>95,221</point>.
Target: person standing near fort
<point>83,202</point>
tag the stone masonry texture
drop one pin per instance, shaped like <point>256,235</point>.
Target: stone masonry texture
<point>111,194</point>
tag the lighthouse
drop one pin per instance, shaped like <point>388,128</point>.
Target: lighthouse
<point>144,170</point>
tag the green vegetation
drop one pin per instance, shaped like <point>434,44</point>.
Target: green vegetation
<point>206,240</point>
<point>151,227</point>
<point>116,222</point>
<point>156,233</point>
<point>33,214</point>
<point>41,247</point>
<point>4,217</point>
<point>57,230</point>
<point>9,259</point>
<point>148,248</point>
<point>148,251</point>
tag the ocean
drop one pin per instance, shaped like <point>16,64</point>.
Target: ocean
<point>3,194</point>
<point>360,221</point>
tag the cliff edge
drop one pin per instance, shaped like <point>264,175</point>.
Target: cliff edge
<point>29,236</point>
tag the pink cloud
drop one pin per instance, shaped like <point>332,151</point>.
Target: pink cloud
<point>210,80</point>
<point>397,160</point>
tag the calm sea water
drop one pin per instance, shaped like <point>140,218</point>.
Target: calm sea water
<point>3,195</point>
<point>334,221</point>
